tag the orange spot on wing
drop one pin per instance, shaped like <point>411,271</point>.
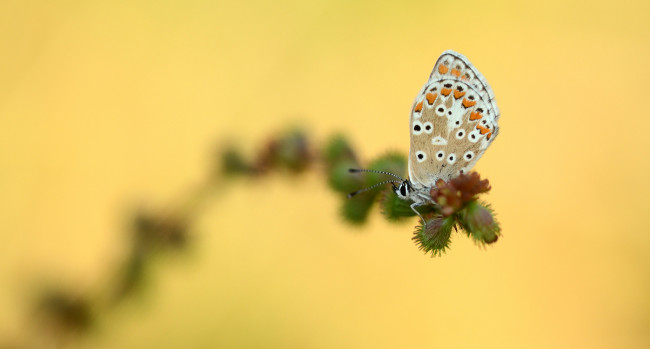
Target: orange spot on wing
<point>489,136</point>
<point>483,129</point>
<point>442,69</point>
<point>458,94</point>
<point>467,103</point>
<point>445,91</point>
<point>455,72</point>
<point>431,97</point>
<point>418,107</point>
<point>475,115</point>
<point>464,77</point>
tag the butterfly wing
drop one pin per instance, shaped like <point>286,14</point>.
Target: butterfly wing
<point>453,121</point>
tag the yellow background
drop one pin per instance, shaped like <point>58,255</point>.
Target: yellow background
<point>110,106</point>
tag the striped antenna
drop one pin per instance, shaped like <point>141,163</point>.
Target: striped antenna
<point>371,187</point>
<point>357,170</point>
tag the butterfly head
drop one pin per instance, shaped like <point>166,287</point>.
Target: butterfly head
<point>403,190</point>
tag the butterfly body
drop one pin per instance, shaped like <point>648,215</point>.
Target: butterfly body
<point>453,120</point>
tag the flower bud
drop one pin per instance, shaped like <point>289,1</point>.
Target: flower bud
<point>454,194</point>
<point>434,237</point>
<point>479,221</point>
<point>293,152</point>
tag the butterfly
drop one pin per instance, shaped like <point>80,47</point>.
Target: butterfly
<point>454,119</point>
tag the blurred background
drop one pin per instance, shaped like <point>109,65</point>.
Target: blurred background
<point>108,108</point>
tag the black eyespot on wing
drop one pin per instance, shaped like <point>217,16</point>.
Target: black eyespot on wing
<point>480,110</point>
<point>448,85</point>
<point>420,156</point>
<point>441,109</point>
<point>459,88</point>
<point>471,98</point>
<point>434,89</point>
<point>457,122</point>
<point>428,127</point>
<point>417,127</point>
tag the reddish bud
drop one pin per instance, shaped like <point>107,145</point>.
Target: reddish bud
<point>454,194</point>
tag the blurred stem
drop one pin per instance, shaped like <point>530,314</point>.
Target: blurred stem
<point>71,313</point>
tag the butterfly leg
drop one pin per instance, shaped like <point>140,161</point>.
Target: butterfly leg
<point>415,204</point>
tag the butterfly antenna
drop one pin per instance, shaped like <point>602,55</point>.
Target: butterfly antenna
<point>371,187</point>
<point>357,170</point>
